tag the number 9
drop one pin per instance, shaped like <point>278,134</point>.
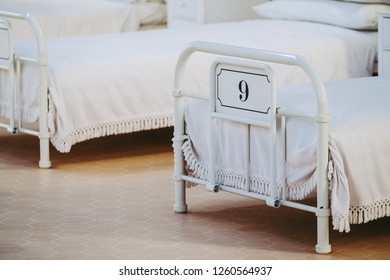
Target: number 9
<point>244,89</point>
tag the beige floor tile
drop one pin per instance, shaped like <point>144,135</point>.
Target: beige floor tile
<point>112,198</point>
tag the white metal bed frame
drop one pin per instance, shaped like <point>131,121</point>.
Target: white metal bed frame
<point>322,210</point>
<point>9,61</point>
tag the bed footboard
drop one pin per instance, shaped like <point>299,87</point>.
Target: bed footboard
<point>268,117</point>
<point>11,63</point>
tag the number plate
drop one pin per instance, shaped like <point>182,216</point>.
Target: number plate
<point>243,89</point>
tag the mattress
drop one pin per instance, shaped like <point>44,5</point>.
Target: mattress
<point>359,148</point>
<point>119,83</point>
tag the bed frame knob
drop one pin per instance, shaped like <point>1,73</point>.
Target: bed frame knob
<point>12,130</point>
<point>213,188</point>
<point>276,203</point>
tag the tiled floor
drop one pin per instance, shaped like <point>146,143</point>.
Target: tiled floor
<point>112,198</point>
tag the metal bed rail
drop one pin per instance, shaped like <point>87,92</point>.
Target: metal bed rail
<point>12,64</point>
<point>321,118</point>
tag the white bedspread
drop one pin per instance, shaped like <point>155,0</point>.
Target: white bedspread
<point>83,17</point>
<point>359,145</point>
<point>119,83</point>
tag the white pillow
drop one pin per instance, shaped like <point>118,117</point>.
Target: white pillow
<point>349,15</point>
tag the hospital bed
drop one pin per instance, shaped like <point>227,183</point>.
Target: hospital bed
<point>85,87</point>
<point>283,144</point>
<point>84,17</point>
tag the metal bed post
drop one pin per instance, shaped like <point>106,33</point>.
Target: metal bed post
<point>212,186</point>
<point>322,210</point>
<point>41,61</point>
<point>180,205</point>
<point>6,63</point>
<point>44,135</point>
<point>180,188</point>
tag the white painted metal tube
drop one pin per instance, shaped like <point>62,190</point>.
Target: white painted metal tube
<point>3,125</point>
<point>29,131</point>
<point>247,158</point>
<point>195,95</point>
<point>241,120</point>
<point>273,151</point>
<point>321,117</point>
<point>26,59</point>
<point>18,94</point>
<point>212,144</point>
<point>283,156</point>
<point>44,134</point>
<point>290,113</point>
<point>180,205</point>
<point>254,54</point>
<point>6,63</point>
<point>194,180</point>
<point>11,80</point>
<point>291,204</point>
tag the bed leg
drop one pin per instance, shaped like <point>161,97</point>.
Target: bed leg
<point>44,161</point>
<point>180,205</point>
<point>323,246</point>
<point>180,197</point>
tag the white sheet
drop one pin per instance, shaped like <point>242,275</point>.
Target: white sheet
<point>119,83</point>
<point>84,17</point>
<point>359,148</point>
